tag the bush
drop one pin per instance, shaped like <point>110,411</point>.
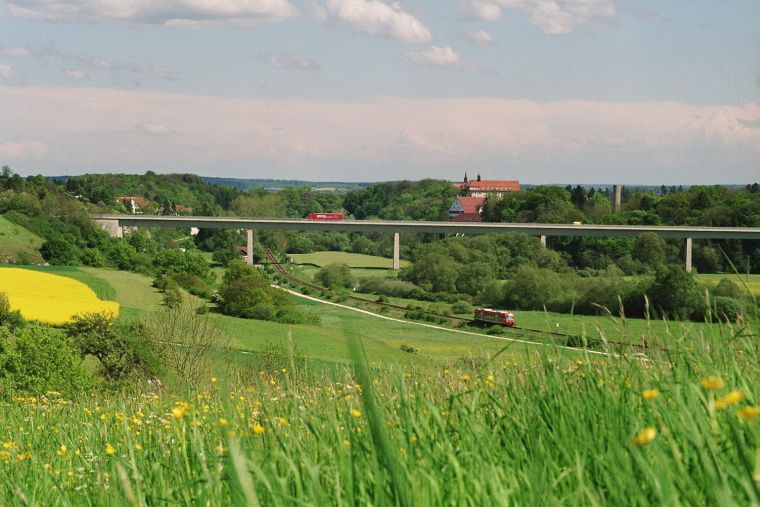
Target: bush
<point>194,284</point>
<point>8,317</point>
<point>95,334</point>
<point>247,293</point>
<point>335,276</point>
<point>59,251</point>
<point>409,349</point>
<point>38,359</point>
<point>461,307</point>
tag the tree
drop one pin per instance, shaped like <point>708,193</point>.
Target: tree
<point>650,249</point>
<point>676,292</point>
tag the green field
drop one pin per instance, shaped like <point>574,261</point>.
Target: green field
<point>18,243</point>
<point>751,282</point>
<point>352,260</point>
<point>547,430</point>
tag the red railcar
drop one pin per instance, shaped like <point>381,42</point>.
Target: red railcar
<point>324,216</point>
<point>502,317</point>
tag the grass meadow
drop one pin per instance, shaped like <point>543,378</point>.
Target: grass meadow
<point>544,430</point>
<point>352,260</point>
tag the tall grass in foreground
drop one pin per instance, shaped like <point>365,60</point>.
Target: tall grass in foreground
<point>682,429</point>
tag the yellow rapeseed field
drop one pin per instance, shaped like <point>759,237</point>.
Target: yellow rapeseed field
<point>50,298</point>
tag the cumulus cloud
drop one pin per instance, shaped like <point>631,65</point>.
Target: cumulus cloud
<point>154,129</point>
<point>550,16</point>
<point>481,37</point>
<point>377,18</point>
<point>23,150</point>
<point>291,61</point>
<point>15,52</point>
<point>9,75</point>
<point>434,57</point>
<point>189,13</point>
<point>636,142</point>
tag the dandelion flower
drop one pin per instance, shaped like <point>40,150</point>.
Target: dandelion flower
<point>644,436</point>
<point>346,444</point>
<point>179,412</point>
<point>356,413</point>
<point>214,380</point>
<point>61,450</point>
<point>4,454</point>
<point>712,383</point>
<point>223,421</point>
<point>282,421</point>
<point>650,394</point>
<point>138,447</point>
<point>748,414</point>
<point>731,398</point>
<point>109,449</point>
<point>464,378</point>
<point>258,429</point>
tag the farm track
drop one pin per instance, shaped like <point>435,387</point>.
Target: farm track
<point>567,339</point>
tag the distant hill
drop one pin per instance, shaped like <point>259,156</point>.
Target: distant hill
<point>324,186</point>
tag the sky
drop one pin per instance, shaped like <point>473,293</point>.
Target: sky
<point>543,91</point>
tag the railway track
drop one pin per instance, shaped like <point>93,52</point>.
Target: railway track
<point>567,339</point>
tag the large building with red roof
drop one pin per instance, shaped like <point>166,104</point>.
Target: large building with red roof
<point>468,207</point>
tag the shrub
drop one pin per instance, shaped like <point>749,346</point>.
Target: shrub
<point>96,335</point>
<point>38,359</point>
<point>8,317</point>
<point>335,276</point>
<point>194,284</point>
<point>59,251</point>
<point>461,307</point>
<point>409,349</point>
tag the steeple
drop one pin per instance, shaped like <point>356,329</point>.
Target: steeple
<point>478,176</point>
<point>465,177</point>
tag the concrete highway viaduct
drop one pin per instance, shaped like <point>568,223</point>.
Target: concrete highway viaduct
<point>115,224</point>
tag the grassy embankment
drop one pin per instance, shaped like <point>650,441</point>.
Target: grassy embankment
<point>18,243</point>
<point>546,430</point>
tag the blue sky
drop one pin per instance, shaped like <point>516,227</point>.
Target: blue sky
<point>572,91</point>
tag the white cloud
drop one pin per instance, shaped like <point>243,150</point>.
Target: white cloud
<point>550,16</point>
<point>291,61</point>
<point>434,57</point>
<point>77,74</point>
<point>15,52</point>
<point>572,141</point>
<point>9,75</point>
<point>23,150</point>
<point>481,37</point>
<point>374,17</point>
<point>154,129</point>
<point>188,13</point>
<point>481,9</point>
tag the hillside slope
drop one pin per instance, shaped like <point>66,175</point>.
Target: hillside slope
<point>18,245</point>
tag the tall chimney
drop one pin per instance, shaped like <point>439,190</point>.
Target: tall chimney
<point>616,190</point>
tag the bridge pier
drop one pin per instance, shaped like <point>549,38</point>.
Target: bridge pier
<point>396,248</point>
<point>249,247</point>
<point>111,226</point>
<point>543,240</point>
<point>688,255</point>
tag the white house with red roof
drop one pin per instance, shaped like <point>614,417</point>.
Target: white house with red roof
<point>466,209</point>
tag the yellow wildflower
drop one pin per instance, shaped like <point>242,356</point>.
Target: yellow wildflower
<point>109,449</point>
<point>214,380</point>
<point>356,413</point>
<point>650,394</point>
<point>4,454</point>
<point>223,421</point>
<point>282,421</point>
<point>9,445</point>
<point>61,450</point>
<point>748,414</point>
<point>138,447</point>
<point>731,398</point>
<point>644,436</point>
<point>258,429</point>
<point>712,383</point>
<point>179,411</point>
<point>346,444</point>
<point>464,378</point>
